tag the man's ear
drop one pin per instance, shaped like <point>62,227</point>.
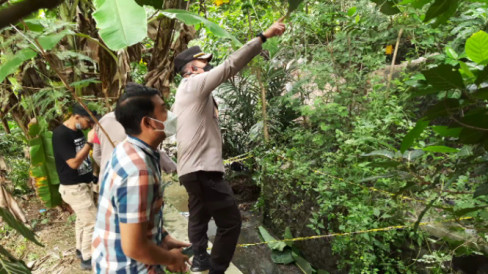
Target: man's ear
<point>145,123</point>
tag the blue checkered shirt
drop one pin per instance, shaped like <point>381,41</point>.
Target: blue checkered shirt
<point>130,192</point>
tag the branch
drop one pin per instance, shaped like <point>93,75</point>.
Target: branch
<point>17,11</point>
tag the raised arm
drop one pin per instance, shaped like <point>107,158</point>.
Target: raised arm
<point>208,81</point>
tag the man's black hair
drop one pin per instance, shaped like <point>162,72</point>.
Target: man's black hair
<point>183,70</point>
<point>133,105</point>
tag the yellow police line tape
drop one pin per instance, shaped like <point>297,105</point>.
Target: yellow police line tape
<point>353,233</point>
<point>243,157</point>
<point>237,159</point>
<point>246,156</point>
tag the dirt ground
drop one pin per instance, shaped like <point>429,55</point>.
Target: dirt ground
<point>55,229</point>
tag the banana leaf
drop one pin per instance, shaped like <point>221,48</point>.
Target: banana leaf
<point>192,19</point>
<point>10,220</point>
<point>43,167</point>
<point>8,263</point>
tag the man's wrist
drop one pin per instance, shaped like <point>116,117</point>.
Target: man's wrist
<point>89,144</point>
<point>263,37</point>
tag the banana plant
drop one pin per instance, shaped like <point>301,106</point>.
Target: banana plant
<point>8,263</point>
<point>43,167</point>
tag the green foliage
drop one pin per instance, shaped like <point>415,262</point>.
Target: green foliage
<point>349,149</point>
<point>293,5</point>
<point>121,23</point>
<point>387,7</point>
<point>19,176</point>
<point>43,167</point>
<point>477,48</point>
<point>157,4</point>
<point>8,263</point>
<point>192,19</point>
<point>413,134</point>
<point>12,150</point>
<point>284,252</point>
<point>444,77</point>
<point>10,220</point>
<point>274,244</point>
<point>14,62</point>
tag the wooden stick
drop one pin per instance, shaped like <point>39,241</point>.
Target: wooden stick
<point>394,58</point>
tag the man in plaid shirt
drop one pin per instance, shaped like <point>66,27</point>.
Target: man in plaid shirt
<point>129,236</point>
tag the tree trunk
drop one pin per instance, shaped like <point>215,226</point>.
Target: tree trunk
<point>160,67</point>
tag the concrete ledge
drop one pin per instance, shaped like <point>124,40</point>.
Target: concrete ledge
<point>177,226</point>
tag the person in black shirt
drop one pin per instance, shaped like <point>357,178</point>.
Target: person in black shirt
<point>74,168</point>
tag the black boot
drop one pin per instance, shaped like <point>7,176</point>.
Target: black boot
<point>86,264</point>
<point>201,262</point>
<point>78,254</point>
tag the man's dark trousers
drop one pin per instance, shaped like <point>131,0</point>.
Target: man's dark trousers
<point>211,196</point>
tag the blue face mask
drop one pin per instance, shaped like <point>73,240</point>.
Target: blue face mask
<point>169,124</point>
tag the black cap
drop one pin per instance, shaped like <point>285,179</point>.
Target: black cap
<point>188,55</point>
<point>78,109</point>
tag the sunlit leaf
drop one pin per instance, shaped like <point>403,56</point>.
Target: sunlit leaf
<point>121,23</point>
<point>477,47</point>
<point>352,11</point>
<point>440,149</point>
